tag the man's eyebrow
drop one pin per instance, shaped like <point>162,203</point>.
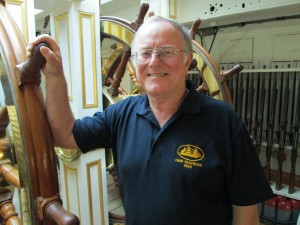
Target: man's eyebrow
<point>145,47</point>
<point>164,46</point>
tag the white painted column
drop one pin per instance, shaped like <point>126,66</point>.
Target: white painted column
<point>77,30</point>
<point>84,188</point>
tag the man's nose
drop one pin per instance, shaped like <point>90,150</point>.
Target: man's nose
<point>155,57</point>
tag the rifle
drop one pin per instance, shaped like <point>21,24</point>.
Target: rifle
<point>270,125</point>
<point>240,96</point>
<point>246,95</point>
<point>269,98</point>
<point>257,97</point>
<point>250,104</point>
<point>290,133</point>
<point>231,89</point>
<point>236,88</point>
<point>280,104</point>
<point>260,116</point>
<point>295,143</point>
<point>282,133</point>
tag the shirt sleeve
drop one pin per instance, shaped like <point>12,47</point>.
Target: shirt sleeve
<point>92,132</point>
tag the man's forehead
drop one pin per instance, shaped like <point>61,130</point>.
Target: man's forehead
<point>153,33</point>
<point>160,26</point>
<point>155,23</point>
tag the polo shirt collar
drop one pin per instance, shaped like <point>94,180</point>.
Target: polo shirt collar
<point>191,103</point>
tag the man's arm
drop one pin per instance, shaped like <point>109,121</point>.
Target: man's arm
<point>245,215</point>
<point>59,114</point>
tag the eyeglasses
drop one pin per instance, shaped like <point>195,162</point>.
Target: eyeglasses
<point>144,55</point>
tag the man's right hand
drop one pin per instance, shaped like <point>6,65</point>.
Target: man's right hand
<point>53,66</point>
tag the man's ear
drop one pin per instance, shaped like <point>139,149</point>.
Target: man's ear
<point>189,60</point>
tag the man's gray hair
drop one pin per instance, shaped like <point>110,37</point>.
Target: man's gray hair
<point>183,30</point>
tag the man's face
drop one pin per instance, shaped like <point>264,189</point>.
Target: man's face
<point>162,77</point>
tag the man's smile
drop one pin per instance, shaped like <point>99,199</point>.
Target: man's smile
<point>157,74</point>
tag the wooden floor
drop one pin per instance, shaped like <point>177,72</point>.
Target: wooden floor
<point>115,205</point>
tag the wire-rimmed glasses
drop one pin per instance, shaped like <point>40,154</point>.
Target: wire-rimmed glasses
<point>144,55</point>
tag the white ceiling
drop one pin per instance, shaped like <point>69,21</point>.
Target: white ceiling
<point>47,6</point>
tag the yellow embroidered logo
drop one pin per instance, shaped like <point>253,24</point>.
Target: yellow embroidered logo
<point>190,152</point>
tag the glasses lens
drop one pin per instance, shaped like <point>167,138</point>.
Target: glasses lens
<point>144,55</point>
<point>167,53</point>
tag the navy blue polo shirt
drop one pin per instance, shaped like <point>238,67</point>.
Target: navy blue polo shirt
<point>190,171</point>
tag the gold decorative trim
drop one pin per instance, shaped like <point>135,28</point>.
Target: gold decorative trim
<point>57,20</point>
<point>173,9</point>
<point>67,155</point>
<point>23,5</point>
<point>25,206</point>
<point>91,18</point>
<point>16,135</point>
<point>96,164</point>
<point>67,171</point>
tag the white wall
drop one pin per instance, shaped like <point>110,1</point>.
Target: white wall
<point>257,44</point>
<point>225,12</point>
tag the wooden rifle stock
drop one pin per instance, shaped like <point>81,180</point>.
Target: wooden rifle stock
<point>270,127</point>
<point>295,144</point>
<point>282,133</point>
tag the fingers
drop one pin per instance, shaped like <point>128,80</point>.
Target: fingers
<point>33,42</point>
<point>42,38</point>
<point>50,56</point>
<point>53,65</point>
<point>46,52</point>
<point>29,49</point>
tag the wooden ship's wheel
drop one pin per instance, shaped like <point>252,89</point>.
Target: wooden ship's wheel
<point>29,172</point>
<point>116,37</point>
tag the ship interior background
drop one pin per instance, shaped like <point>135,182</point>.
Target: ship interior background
<point>246,54</point>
